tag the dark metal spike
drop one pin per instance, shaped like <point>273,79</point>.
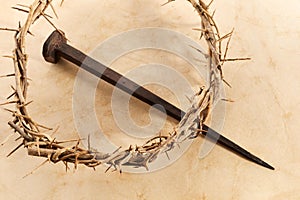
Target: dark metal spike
<point>56,46</point>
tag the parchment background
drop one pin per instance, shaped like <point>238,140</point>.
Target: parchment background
<point>264,117</point>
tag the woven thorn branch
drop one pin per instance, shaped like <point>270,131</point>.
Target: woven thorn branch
<point>38,143</point>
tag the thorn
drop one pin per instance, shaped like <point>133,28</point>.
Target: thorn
<point>22,5</point>
<point>8,29</point>
<point>226,83</point>
<point>209,4</point>
<point>44,127</point>
<point>26,11</point>
<point>30,33</point>
<point>20,9</point>
<point>53,10</point>
<point>198,50</point>
<point>43,14</point>
<point>199,29</point>
<point>228,100</point>
<point>7,56</point>
<point>12,87</point>
<point>24,105</point>
<point>8,110</point>
<point>66,165</point>
<point>201,35</point>
<point>8,75</point>
<point>214,12</point>
<point>55,131</point>
<point>117,150</point>
<point>227,45</point>
<point>188,98</point>
<point>108,168</point>
<point>36,168</point>
<point>15,149</point>
<point>18,138</point>
<point>225,36</point>
<point>89,142</point>
<point>9,102</point>
<point>10,96</point>
<point>167,155</point>
<point>48,16</point>
<point>234,59</point>
<point>169,1</point>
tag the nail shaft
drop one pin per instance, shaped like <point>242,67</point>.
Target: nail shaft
<point>56,47</point>
<point>107,74</point>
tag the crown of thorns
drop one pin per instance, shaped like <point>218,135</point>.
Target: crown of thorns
<point>39,142</point>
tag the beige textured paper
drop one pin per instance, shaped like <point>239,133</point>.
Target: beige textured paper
<point>263,118</point>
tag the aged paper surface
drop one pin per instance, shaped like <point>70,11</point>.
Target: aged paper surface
<point>263,118</point>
